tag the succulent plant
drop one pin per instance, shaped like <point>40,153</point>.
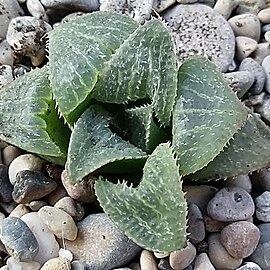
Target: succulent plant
<point>112,101</point>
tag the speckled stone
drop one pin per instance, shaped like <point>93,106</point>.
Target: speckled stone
<point>100,244</point>
<point>250,6</point>
<point>6,76</point>
<point>5,185</point>
<point>262,203</point>
<point>56,264</point>
<point>6,54</point>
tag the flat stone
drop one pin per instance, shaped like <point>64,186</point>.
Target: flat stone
<point>266,68</point>
<point>13,264</point>
<point>18,239</point>
<point>31,185</point>
<point>147,261</point>
<point>262,203</point>
<point>100,244</point>
<point>231,204</point>
<point>240,238</point>
<point>245,46</point>
<point>56,264</point>
<point>249,266</point>
<point>202,262</point>
<point>84,5</point>
<point>264,15</point>
<point>263,49</point>
<point>59,222</point>
<point>5,186</point>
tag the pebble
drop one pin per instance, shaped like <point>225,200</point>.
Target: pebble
<point>202,262</point>
<point>65,253</point>
<point>82,191</point>
<point>59,222</point>
<point>198,29</point>
<point>8,207</point>
<point>13,264</point>
<point>262,203</point>
<point>263,49</point>
<point>195,223</point>
<point>261,254</point>
<point>72,207</point>
<point>266,68</point>
<point>254,100</point>
<point>77,265</point>
<point>242,181</point>
<point>225,7</point>
<point>6,54</point>
<point>147,261</point>
<point>44,237</point>
<point>231,204</point>
<point>264,15</point>
<point>250,6</point>
<point>84,5</point>
<point>23,162</point>
<point>244,47</point>
<point>240,238</point>
<point>19,211</point>
<point>36,205</point>
<point>181,259</point>
<point>100,244</point>
<point>247,25</point>
<point>18,239</point>
<point>267,36</point>
<point>219,256</point>
<point>249,266</point>
<point>31,185</point>
<point>264,109</point>
<point>57,264</point>
<point>5,186</point>
<point>36,9</point>
<point>162,265</point>
<point>9,153</point>
<point>161,5</point>
<point>160,255</point>
<point>212,225</point>
<point>248,64</point>
<point>6,76</point>
<point>265,28</point>
<point>240,81</point>
<point>59,193</point>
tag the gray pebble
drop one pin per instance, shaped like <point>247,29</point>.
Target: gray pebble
<point>19,239</point>
<point>198,29</point>
<point>100,244</point>
<point>164,264</point>
<point>267,36</point>
<point>10,153</point>
<point>255,100</point>
<point>5,186</point>
<point>249,266</point>
<point>6,76</point>
<point>6,54</point>
<point>264,109</point>
<point>263,49</point>
<point>161,5</point>
<point>15,265</point>
<point>77,265</point>
<point>244,47</point>
<point>261,180</point>
<point>262,203</point>
<point>248,64</point>
<point>231,204</point>
<point>266,68</point>
<point>265,28</point>
<point>264,15</point>
<point>36,9</point>
<point>202,262</point>
<point>59,193</point>
<point>242,181</point>
<point>84,5</point>
<point>225,7</point>
<point>31,185</point>
<point>213,225</point>
<point>250,6</point>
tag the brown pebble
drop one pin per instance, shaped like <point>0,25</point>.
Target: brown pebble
<point>147,261</point>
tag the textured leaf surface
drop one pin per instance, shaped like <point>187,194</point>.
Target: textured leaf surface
<point>78,51</point>
<point>247,152</point>
<point>153,214</point>
<point>142,129</point>
<point>143,66</point>
<point>28,118</point>
<point>206,116</point>
<point>93,145</point>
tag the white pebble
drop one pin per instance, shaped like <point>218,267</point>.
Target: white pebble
<point>36,9</point>
<point>65,253</point>
<point>6,54</point>
<point>6,76</point>
<point>264,15</point>
<point>244,47</point>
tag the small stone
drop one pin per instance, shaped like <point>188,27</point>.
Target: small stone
<point>196,228</point>
<point>23,162</point>
<point>225,7</point>
<point>31,185</point>
<point>65,253</point>
<point>263,49</point>
<point>255,100</point>
<point>84,5</point>
<point>181,259</point>
<point>163,265</point>
<point>10,153</point>
<point>240,238</point>
<point>78,265</point>
<point>161,5</point>
<point>202,262</point>
<point>147,261</point>
<point>266,68</point>
<point>249,266</point>
<point>264,15</point>
<point>19,211</point>
<point>242,181</point>
<point>13,264</point>
<point>59,222</point>
<point>264,108</point>
<point>267,36</point>
<point>160,255</point>
<point>8,207</point>
<point>5,186</point>
<point>72,16</point>
<point>6,76</point>
<point>18,239</point>
<point>70,206</point>
<point>57,264</point>
<point>59,193</point>
<point>212,225</point>
<point>262,204</point>
<point>244,47</point>
<point>265,28</point>
<point>219,256</point>
<point>36,205</point>
<point>231,204</point>
<point>100,244</point>
<point>6,54</point>
<point>36,9</point>
<point>248,64</point>
<point>250,6</point>
<point>44,237</point>
<point>261,180</point>
<point>247,25</point>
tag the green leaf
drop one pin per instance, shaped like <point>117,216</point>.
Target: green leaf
<point>143,132</point>
<point>144,66</point>
<point>78,52</point>
<point>153,214</point>
<point>206,116</point>
<point>28,118</point>
<point>247,151</point>
<point>93,145</point>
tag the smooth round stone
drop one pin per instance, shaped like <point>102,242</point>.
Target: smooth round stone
<point>70,206</point>
<point>263,49</point>
<point>36,205</point>
<point>225,7</point>
<point>198,29</point>
<point>196,228</point>
<point>247,25</point>
<point>23,162</point>
<point>242,181</point>
<point>202,262</point>
<point>65,253</point>
<point>161,5</point>
<point>219,256</point>
<point>6,76</point>
<point>5,186</point>
<point>231,204</point>
<point>240,238</point>
<point>181,259</point>
<point>56,264</point>
<point>59,193</point>
<point>248,64</point>
<point>59,222</point>
<point>44,237</point>
<point>265,28</point>
<point>19,240</point>
<point>160,255</point>
<point>262,203</point>
<point>84,5</point>
<point>245,46</point>
<point>10,153</point>
<point>249,266</point>
<point>36,9</point>
<point>264,15</point>
<point>100,244</point>
<point>31,185</point>
<point>212,225</point>
<point>6,54</point>
<point>13,264</point>
<point>261,180</point>
<point>266,68</point>
<point>19,211</point>
<point>147,261</point>
<point>267,36</point>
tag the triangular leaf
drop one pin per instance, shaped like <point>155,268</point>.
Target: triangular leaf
<point>93,145</point>
<point>144,66</point>
<point>153,214</point>
<point>78,51</point>
<point>206,116</point>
